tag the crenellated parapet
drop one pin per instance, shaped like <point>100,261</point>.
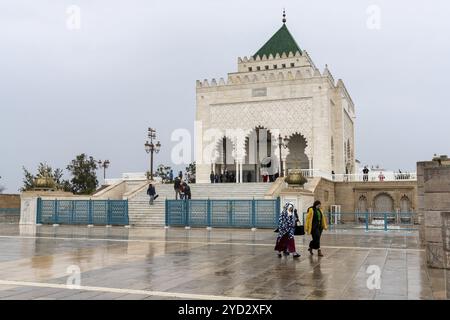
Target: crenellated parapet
<point>327,73</point>
<point>340,84</point>
<point>258,58</point>
<point>257,69</point>
<point>274,75</point>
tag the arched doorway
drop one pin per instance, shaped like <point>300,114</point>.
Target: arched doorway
<point>383,203</point>
<point>297,158</point>
<point>260,160</point>
<point>225,162</point>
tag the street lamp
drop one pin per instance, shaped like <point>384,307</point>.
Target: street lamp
<point>282,142</point>
<point>151,148</point>
<point>104,165</point>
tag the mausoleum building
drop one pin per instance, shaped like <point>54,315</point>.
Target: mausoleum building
<point>277,99</point>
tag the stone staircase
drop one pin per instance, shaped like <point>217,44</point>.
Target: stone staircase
<point>141,214</point>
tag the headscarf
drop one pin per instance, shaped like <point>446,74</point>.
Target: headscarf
<point>287,206</point>
<point>282,228</point>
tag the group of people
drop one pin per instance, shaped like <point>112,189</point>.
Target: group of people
<point>221,178</point>
<point>187,177</point>
<point>230,177</point>
<point>182,190</point>
<point>314,225</point>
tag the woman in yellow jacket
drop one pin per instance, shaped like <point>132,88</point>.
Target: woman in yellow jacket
<point>314,225</point>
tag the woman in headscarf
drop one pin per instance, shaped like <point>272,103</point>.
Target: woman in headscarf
<point>315,224</point>
<point>286,226</point>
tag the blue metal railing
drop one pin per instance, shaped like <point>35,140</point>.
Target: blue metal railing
<point>370,220</point>
<point>10,211</point>
<point>98,212</point>
<point>256,213</point>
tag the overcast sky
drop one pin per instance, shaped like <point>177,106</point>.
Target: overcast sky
<point>133,64</point>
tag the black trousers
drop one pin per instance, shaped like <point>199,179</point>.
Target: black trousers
<point>315,242</point>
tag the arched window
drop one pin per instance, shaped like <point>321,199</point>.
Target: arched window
<point>405,204</point>
<point>362,205</point>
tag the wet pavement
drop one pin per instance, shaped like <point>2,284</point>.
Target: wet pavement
<point>78,262</point>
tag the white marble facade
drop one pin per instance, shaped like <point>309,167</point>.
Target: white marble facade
<point>283,94</point>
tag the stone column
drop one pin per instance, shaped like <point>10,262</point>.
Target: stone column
<point>433,181</point>
<point>28,208</point>
<point>241,172</point>
<point>284,155</point>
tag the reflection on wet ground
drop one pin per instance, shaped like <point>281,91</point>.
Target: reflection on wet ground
<point>42,262</point>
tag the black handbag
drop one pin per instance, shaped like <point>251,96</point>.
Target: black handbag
<point>299,231</point>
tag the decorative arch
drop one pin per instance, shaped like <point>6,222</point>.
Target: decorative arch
<point>252,146</point>
<point>297,157</point>
<point>383,202</point>
<point>405,204</point>
<point>226,151</point>
<point>288,116</point>
<point>363,204</point>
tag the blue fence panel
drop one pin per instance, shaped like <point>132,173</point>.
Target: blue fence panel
<point>222,213</point>
<point>118,211</point>
<point>372,220</point>
<point>15,211</point>
<point>175,213</point>
<point>266,213</point>
<point>64,211</point>
<point>241,213</point>
<point>47,212</point>
<point>80,212</point>
<point>100,212</point>
<point>198,212</point>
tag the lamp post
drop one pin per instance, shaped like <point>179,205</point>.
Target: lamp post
<point>282,142</point>
<point>104,165</point>
<point>152,148</point>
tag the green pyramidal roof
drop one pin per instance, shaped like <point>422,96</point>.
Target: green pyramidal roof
<point>281,41</point>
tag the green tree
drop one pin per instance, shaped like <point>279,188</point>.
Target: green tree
<point>28,180</point>
<point>2,188</point>
<point>163,171</point>
<point>45,171</point>
<point>190,169</point>
<point>84,176</point>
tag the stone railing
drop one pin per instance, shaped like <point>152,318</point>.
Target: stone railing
<point>372,176</point>
<point>375,177</point>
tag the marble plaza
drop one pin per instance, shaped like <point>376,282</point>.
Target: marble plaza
<point>42,262</point>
